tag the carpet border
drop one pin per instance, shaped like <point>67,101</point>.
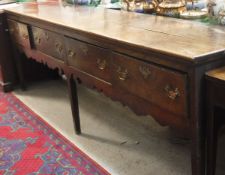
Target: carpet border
<point>57,132</point>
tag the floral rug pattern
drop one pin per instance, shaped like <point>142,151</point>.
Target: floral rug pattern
<point>28,145</point>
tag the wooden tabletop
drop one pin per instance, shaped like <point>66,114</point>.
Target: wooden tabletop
<point>187,39</point>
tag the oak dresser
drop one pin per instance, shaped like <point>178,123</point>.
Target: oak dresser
<point>155,65</point>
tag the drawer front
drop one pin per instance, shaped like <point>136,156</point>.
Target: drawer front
<point>19,33</point>
<point>88,58</point>
<point>160,86</point>
<point>49,43</point>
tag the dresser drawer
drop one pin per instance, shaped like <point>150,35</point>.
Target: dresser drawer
<point>158,85</point>
<point>49,43</point>
<point>19,33</point>
<point>89,58</point>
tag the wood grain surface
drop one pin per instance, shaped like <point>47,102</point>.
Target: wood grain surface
<point>187,39</point>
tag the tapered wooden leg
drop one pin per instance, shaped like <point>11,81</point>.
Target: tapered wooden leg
<point>212,135</point>
<point>19,66</point>
<point>197,142</point>
<point>197,122</point>
<point>212,132</point>
<point>72,88</point>
<point>197,154</point>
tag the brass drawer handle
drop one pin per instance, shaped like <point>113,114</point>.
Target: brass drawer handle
<point>25,36</point>
<point>145,71</point>
<point>84,50</point>
<point>46,36</point>
<point>101,64</point>
<point>59,47</point>
<point>71,53</point>
<point>122,74</point>
<point>38,40</point>
<point>171,92</point>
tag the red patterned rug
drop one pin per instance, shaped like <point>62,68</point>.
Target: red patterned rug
<point>28,145</point>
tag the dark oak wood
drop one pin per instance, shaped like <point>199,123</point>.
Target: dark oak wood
<point>19,33</point>
<point>150,33</point>
<point>49,42</point>
<point>153,64</point>
<point>91,59</point>
<point>72,87</point>
<point>215,114</point>
<point>158,85</point>
<point>20,68</point>
<point>7,66</point>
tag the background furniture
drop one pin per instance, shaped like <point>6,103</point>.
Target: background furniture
<point>153,64</point>
<point>215,113</point>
